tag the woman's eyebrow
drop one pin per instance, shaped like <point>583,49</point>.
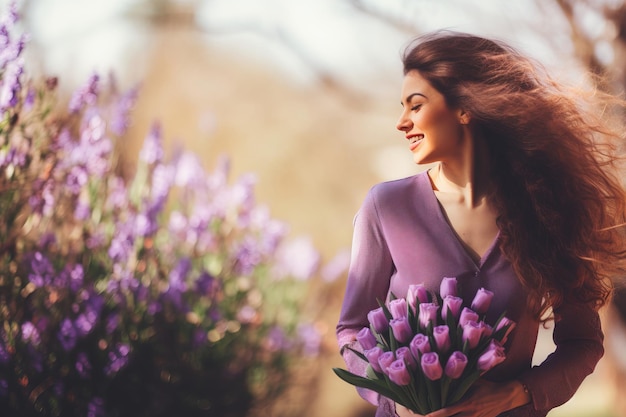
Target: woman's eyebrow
<point>410,96</point>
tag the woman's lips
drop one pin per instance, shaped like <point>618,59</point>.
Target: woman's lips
<point>414,141</point>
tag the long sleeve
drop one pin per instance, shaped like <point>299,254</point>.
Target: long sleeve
<point>579,346</point>
<point>370,270</point>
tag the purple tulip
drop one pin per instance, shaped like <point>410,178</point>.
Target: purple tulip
<point>467,315</point>
<point>456,365</point>
<point>385,359</point>
<point>428,314</point>
<point>416,292</point>
<point>486,329</point>
<point>442,338</point>
<point>505,321</point>
<point>419,345</point>
<point>404,353</point>
<point>448,287</point>
<point>401,329</point>
<point>492,356</point>
<point>453,304</point>
<point>372,356</point>
<point>366,338</point>
<point>472,333</point>
<point>482,300</point>
<point>398,373</point>
<point>431,366</point>
<point>397,308</point>
<point>378,320</point>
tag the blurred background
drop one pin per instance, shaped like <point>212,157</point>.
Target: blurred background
<point>305,95</point>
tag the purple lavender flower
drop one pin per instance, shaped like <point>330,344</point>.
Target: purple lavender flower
<point>29,100</point>
<point>310,338</point>
<point>82,210</point>
<point>146,223</point>
<point>41,270</point>
<point>112,323</point>
<point>276,340</point>
<point>117,195</point>
<point>298,259</point>
<point>118,359</point>
<point>76,276</point>
<point>247,255</point>
<point>207,285</point>
<point>120,115</point>
<point>42,199</point>
<point>85,322</point>
<point>67,335</point>
<point>189,171</point>
<point>95,408</point>
<point>162,180</point>
<point>82,365</point>
<point>122,242</point>
<point>4,354</point>
<point>86,95</point>
<point>11,86</point>
<point>152,150</point>
<point>76,179</point>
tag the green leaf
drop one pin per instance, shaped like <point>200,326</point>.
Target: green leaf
<point>359,354</point>
<point>376,385</point>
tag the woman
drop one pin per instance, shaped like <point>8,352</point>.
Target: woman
<point>520,200</point>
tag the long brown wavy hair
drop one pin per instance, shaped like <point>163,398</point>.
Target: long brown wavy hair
<point>553,152</point>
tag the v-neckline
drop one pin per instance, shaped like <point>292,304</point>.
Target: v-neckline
<point>436,205</point>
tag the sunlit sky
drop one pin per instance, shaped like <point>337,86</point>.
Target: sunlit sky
<point>77,37</point>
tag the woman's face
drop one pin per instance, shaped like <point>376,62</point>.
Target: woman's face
<point>435,132</point>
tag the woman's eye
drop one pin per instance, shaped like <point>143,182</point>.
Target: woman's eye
<point>416,107</point>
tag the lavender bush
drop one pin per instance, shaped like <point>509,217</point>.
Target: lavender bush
<point>170,293</point>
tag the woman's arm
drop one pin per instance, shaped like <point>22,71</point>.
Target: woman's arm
<point>579,346</point>
<point>370,269</point>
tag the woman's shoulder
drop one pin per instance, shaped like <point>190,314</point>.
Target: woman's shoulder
<point>401,188</point>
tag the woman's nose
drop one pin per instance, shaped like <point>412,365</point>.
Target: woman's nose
<point>404,123</point>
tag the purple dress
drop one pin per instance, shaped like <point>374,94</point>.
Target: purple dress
<point>402,237</point>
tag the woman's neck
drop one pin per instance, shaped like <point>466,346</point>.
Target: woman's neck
<point>466,176</point>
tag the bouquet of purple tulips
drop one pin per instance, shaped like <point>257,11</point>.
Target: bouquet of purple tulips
<point>426,350</point>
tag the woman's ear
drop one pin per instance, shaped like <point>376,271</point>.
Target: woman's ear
<point>464,117</point>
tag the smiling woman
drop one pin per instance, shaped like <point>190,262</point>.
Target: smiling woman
<point>521,201</point>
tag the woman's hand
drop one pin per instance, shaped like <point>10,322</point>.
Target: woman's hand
<point>486,399</point>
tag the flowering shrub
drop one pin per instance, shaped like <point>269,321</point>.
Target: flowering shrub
<point>426,350</point>
<point>169,293</point>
